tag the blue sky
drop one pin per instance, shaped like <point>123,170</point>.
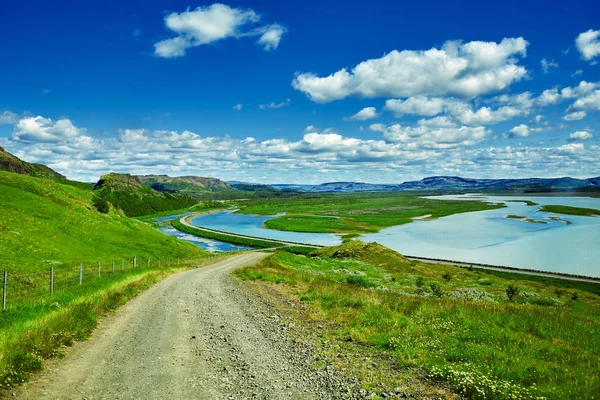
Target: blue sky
<point>303,92</point>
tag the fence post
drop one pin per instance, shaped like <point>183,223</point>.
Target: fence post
<point>99,268</point>
<point>51,281</point>
<point>113,267</point>
<point>4,291</point>
<point>80,274</point>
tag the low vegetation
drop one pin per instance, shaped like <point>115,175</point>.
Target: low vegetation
<point>586,212</point>
<point>487,335</point>
<point>353,212</point>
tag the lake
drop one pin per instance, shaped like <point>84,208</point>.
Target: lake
<point>206,244</point>
<point>481,237</point>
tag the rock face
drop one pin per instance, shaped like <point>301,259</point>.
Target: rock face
<point>185,184</point>
<point>11,163</point>
<point>116,181</point>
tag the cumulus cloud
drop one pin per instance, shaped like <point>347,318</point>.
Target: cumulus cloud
<point>364,114</point>
<point>8,118</point>
<point>285,103</point>
<point>588,44</point>
<point>580,135</point>
<point>571,148</point>
<point>459,69</point>
<point>588,102</point>
<point>547,65</point>
<point>238,107</point>
<point>432,137</point>
<point>519,131</point>
<point>575,116</point>
<point>209,24</point>
<point>39,129</point>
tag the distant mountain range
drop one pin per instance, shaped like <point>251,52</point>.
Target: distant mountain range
<point>455,184</point>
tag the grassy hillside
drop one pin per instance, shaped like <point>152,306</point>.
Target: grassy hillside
<point>45,223</point>
<point>422,323</point>
<point>11,163</point>
<point>127,193</point>
<point>194,186</point>
<point>353,212</point>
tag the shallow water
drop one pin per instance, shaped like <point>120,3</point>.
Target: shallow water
<point>206,244</point>
<point>491,238</point>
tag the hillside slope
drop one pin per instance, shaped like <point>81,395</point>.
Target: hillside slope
<point>190,185</point>
<point>11,163</point>
<point>44,223</point>
<point>128,193</point>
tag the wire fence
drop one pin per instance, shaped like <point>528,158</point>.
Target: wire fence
<point>28,289</point>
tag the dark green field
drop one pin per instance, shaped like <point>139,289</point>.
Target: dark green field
<point>586,212</point>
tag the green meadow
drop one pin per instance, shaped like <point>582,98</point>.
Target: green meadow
<point>352,212</point>
<point>486,335</point>
<point>568,210</point>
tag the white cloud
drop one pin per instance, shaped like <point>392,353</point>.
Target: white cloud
<point>579,72</point>
<point>547,65</point>
<point>272,36</point>
<point>209,24</point>
<point>538,118</point>
<point>588,44</point>
<point>285,103</point>
<point>588,102</point>
<point>417,105</point>
<point>460,69</point>
<point>519,131</point>
<point>487,116</point>
<point>438,122</point>
<point>39,129</point>
<point>432,137</point>
<point>580,135</point>
<point>575,116</point>
<point>364,114</point>
<point>238,107</point>
<point>571,148</point>
<point>8,118</point>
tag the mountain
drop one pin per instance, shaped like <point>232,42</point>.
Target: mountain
<point>251,187</point>
<point>128,193</point>
<point>455,184</point>
<point>11,163</point>
<point>190,185</point>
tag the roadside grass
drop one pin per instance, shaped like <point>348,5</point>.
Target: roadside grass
<point>568,210</point>
<point>354,212</point>
<point>449,323</point>
<point>37,327</point>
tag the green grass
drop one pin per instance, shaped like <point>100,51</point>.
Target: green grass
<point>586,212</point>
<point>354,212</point>
<point>543,343</point>
<point>200,207</point>
<point>527,202</point>
<point>46,223</point>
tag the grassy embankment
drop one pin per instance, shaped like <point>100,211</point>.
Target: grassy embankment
<point>240,241</point>
<point>422,323</point>
<point>523,218</point>
<point>586,212</point>
<point>354,212</point>
<point>48,224</point>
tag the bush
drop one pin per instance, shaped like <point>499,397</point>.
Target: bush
<point>559,292</point>
<point>360,281</point>
<point>436,290</point>
<point>471,294</point>
<point>574,296</point>
<point>447,276</point>
<point>512,292</point>
<point>419,282</point>
<point>101,205</point>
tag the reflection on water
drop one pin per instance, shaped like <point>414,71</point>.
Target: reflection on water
<point>206,244</point>
<point>489,237</point>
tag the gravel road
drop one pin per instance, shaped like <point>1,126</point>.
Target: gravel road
<point>196,335</point>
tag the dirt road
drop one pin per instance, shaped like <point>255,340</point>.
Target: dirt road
<point>196,335</point>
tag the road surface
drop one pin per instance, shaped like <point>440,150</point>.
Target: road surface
<point>196,335</point>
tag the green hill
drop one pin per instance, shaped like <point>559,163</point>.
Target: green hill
<point>128,193</point>
<point>11,163</point>
<point>44,222</point>
<point>194,186</point>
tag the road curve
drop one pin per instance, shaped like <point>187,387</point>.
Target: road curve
<point>195,335</point>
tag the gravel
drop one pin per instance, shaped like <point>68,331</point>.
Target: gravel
<point>195,335</point>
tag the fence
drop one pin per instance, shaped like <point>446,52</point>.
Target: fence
<point>43,286</point>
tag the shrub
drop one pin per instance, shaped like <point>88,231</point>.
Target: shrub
<point>559,292</point>
<point>419,282</point>
<point>512,292</point>
<point>447,276</point>
<point>101,205</point>
<point>574,296</point>
<point>360,281</point>
<point>436,290</point>
<point>471,294</point>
